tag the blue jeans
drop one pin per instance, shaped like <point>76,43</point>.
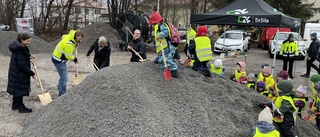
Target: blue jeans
<point>63,73</point>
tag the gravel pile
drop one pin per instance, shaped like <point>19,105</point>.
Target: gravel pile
<point>93,32</point>
<point>135,100</point>
<point>37,44</point>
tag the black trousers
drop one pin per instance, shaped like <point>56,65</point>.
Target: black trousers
<point>285,127</point>
<point>318,122</point>
<point>310,64</point>
<point>285,65</point>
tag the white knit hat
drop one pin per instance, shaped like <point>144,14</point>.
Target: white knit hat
<point>218,63</point>
<point>301,89</point>
<point>265,115</point>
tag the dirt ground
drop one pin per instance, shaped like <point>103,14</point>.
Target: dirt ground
<point>10,124</point>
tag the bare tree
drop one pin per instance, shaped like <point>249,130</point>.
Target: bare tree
<point>66,20</point>
<point>23,6</point>
<point>116,7</point>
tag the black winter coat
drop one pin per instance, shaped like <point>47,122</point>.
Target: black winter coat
<point>140,47</point>
<point>314,49</point>
<point>102,56</point>
<point>19,70</point>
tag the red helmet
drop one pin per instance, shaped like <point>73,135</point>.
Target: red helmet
<point>202,31</point>
<point>155,18</point>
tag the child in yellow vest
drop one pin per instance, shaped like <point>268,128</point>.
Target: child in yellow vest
<point>262,67</point>
<point>250,81</point>
<point>273,92</point>
<point>300,100</point>
<point>264,126</point>
<point>217,67</point>
<point>261,88</point>
<point>316,106</point>
<point>240,75</point>
<point>267,77</point>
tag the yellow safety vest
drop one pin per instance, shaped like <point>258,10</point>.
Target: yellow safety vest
<point>203,48</point>
<point>216,70</point>
<point>269,81</point>
<point>66,46</point>
<point>272,98</point>
<point>278,103</point>
<point>239,74</point>
<point>160,43</point>
<point>314,94</point>
<point>273,133</point>
<point>191,34</point>
<point>250,84</point>
<point>191,62</point>
<point>263,92</point>
<point>289,49</point>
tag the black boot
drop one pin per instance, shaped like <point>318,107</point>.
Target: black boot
<point>22,107</point>
<point>15,104</point>
<point>175,74</point>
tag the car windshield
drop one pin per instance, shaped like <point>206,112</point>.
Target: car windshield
<point>284,36</point>
<point>232,35</point>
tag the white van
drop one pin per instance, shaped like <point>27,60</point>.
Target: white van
<point>308,29</point>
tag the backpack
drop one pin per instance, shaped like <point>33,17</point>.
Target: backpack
<point>174,35</point>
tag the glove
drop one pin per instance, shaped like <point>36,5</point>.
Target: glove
<point>75,60</point>
<point>276,113</point>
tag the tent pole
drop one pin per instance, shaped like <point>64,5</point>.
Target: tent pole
<point>275,52</point>
<point>295,62</point>
<point>224,41</point>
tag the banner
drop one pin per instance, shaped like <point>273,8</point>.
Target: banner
<point>25,25</point>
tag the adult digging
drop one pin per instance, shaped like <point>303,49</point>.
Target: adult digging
<point>135,100</point>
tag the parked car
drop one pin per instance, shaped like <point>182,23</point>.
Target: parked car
<point>267,34</point>
<point>282,36</point>
<point>182,32</point>
<point>308,29</point>
<point>232,40</point>
<point>4,27</point>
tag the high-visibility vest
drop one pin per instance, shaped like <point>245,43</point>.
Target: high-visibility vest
<point>65,47</point>
<point>250,84</point>
<point>277,105</point>
<point>216,70</point>
<point>289,49</point>
<point>191,34</point>
<point>238,75</point>
<point>272,97</point>
<point>203,48</point>
<point>160,43</point>
<point>264,92</point>
<point>314,94</point>
<point>268,80</point>
<point>273,133</point>
<point>191,62</point>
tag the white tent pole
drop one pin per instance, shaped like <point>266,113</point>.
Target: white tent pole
<point>224,41</point>
<point>275,52</point>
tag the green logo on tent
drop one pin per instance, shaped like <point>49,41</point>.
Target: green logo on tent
<point>244,19</point>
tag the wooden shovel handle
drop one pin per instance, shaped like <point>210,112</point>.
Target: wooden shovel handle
<point>39,80</point>
<point>164,58</point>
<point>94,64</point>
<point>135,52</point>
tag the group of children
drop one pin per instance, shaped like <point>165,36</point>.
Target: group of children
<point>288,102</point>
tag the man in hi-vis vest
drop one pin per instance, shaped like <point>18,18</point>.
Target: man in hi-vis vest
<point>201,50</point>
<point>162,36</point>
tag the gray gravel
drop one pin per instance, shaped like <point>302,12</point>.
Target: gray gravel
<point>37,45</point>
<point>135,100</point>
<point>93,32</point>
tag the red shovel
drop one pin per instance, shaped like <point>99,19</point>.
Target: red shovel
<point>166,73</point>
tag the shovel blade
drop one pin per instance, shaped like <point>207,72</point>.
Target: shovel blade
<point>167,74</point>
<point>187,62</point>
<point>77,79</point>
<point>45,98</point>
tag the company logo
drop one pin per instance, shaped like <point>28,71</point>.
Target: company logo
<point>297,23</point>
<point>237,11</point>
<point>244,19</point>
<point>249,19</point>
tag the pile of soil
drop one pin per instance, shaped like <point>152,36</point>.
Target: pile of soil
<point>37,44</point>
<point>135,100</point>
<point>92,33</point>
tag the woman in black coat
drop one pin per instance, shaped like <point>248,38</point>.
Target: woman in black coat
<point>138,45</point>
<point>20,72</point>
<point>102,52</point>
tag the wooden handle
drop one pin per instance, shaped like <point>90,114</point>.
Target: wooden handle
<point>76,63</point>
<point>94,64</point>
<point>135,52</point>
<point>164,58</point>
<point>39,80</point>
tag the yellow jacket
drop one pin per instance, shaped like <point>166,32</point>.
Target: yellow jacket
<point>65,48</point>
<point>268,80</point>
<point>289,49</point>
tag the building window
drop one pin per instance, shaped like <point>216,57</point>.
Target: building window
<point>97,11</point>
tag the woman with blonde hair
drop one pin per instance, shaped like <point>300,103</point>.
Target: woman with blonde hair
<point>102,51</point>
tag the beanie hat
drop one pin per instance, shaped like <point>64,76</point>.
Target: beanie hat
<point>266,69</point>
<point>290,35</point>
<point>202,31</point>
<point>265,115</point>
<point>314,34</point>
<point>155,18</point>
<point>283,74</point>
<point>263,65</point>
<point>285,85</point>
<point>261,84</point>
<point>218,63</point>
<point>301,89</point>
<point>315,78</point>
<point>242,65</point>
<point>251,75</point>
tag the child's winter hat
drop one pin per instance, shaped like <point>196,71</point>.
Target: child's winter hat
<point>317,86</point>
<point>261,84</point>
<point>301,89</point>
<point>202,31</point>
<point>218,63</point>
<point>264,65</point>
<point>285,85</point>
<point>266,69</point>
<point>315,78</point>
<point>155,18</point>
<point>251,76</point>
<point>265,115</point>
<point>283,74</point>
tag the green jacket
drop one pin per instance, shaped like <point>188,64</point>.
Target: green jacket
<point>286,107</point>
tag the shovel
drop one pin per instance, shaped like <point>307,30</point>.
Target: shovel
<point>45,98</point>
<point>166,73</point>
<point>77,78</point>
<point>135,52</point>
<point>308,117</point>
<point>94,64</point>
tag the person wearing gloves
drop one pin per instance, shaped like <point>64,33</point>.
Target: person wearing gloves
<point>138,45</point>
<point>239,75</point>
<point>300,99</point>
<point>313,52</point>
<point>102,51</point>
<point>162,35</point>
<point>250,81</point>
<point>64,52</point>
<point>267,77</point>
<point>200,48</point>
<point>264,126</point>
<point>217,67</point>
<point>289,51</point>
<point>284,108</point>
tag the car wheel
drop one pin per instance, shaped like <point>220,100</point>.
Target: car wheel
<point>246,50</point>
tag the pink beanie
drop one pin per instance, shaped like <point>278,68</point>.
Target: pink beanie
<point>301,89</point>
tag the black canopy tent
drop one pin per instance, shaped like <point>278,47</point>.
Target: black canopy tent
<point>247,13</point>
